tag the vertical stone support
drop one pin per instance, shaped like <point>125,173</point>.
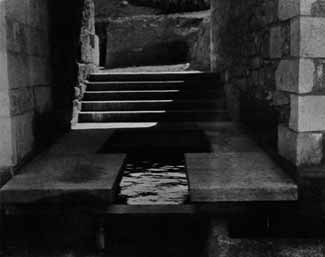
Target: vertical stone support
<point>219,19</point>
<point>89,54</point>
<point>275,56</point>
<point>6,147</point>
<point>300,74</point>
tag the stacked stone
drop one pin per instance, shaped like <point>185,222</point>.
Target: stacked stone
<point>25,77</point>
<point>273,51</point>
<point>301,75</point>
<point>89,54</point>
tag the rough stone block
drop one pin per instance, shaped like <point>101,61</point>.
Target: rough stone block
<point>295,75</point>
<point>21,100</point>
<point>308,37</point>
<point>17,70</point>
<point>4,103</point>
<point>16,9</point>
<point>300,148</point>
<point>5,142</point>
<point>36,13</point>
<point>291,8</point>
<point>84,70</point>
<point>4,83</point>
<point>34,41</point>
<point>87,50</point>
<point>96,51</point>
<point>307,113</point>
<point>23,135</point>
<point>276,42</point>
<point>17,36</point>
<point>43,99</point>
<point>3,32</point>
<point>39,71</point>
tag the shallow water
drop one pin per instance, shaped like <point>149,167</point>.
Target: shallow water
<point>154,180</point>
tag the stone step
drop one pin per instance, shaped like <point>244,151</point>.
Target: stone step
<point>153,116</point>
<point>150,76</point>
<point>238,177</point>
<point>150,95</point>
<point>87,178</point>
<point>138,105</point>
<point>151,85</point>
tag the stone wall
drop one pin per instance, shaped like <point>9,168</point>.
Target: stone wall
<point>88,61</point>
<point>201,49</point>
<point>271,54</point>
<point>76,54</point>
<point>26,86</point>
<point>150,39</point>
<point>40,51</point>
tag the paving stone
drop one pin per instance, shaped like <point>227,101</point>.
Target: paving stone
<point>81,142</point>
<point>237,177</point>
<point>233,144</point>
<point>86,177</point>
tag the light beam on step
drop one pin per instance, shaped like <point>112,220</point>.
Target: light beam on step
<point>114,125</point>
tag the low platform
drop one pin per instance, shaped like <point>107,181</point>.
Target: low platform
<point>87,177</point>
<point>229,168</point>
<point>236,169</point>
<point>237,177</point>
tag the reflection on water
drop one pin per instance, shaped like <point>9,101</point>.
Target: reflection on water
<point>154,179</point>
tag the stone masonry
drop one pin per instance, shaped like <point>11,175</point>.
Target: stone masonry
<point>89,53</point>
<point>25,76</point>
<point>272,52</point>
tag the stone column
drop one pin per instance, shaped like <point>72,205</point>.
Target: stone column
<point>301,75</point>
<point>5,119</point>
<point>219,18</point>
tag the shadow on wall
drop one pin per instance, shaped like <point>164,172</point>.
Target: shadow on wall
<point>162,53</point>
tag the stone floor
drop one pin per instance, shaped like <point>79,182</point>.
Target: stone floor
<point>72,233</point>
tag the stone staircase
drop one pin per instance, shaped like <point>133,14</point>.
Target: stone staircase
<point>152,97</point>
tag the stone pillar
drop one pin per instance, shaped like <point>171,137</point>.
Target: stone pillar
<point>89,54</point>
<point>219,18</point>
<point>5,119</point>
<point>301,75</point>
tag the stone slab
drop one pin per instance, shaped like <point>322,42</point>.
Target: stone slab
<point>295,75</point>
<point>81,142</point>
<point>308,37</point>
<point>87,177</point>
<point>291,8</point>
<point>237,177</point>
<point>300,148</point>
<point>307,113</point>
